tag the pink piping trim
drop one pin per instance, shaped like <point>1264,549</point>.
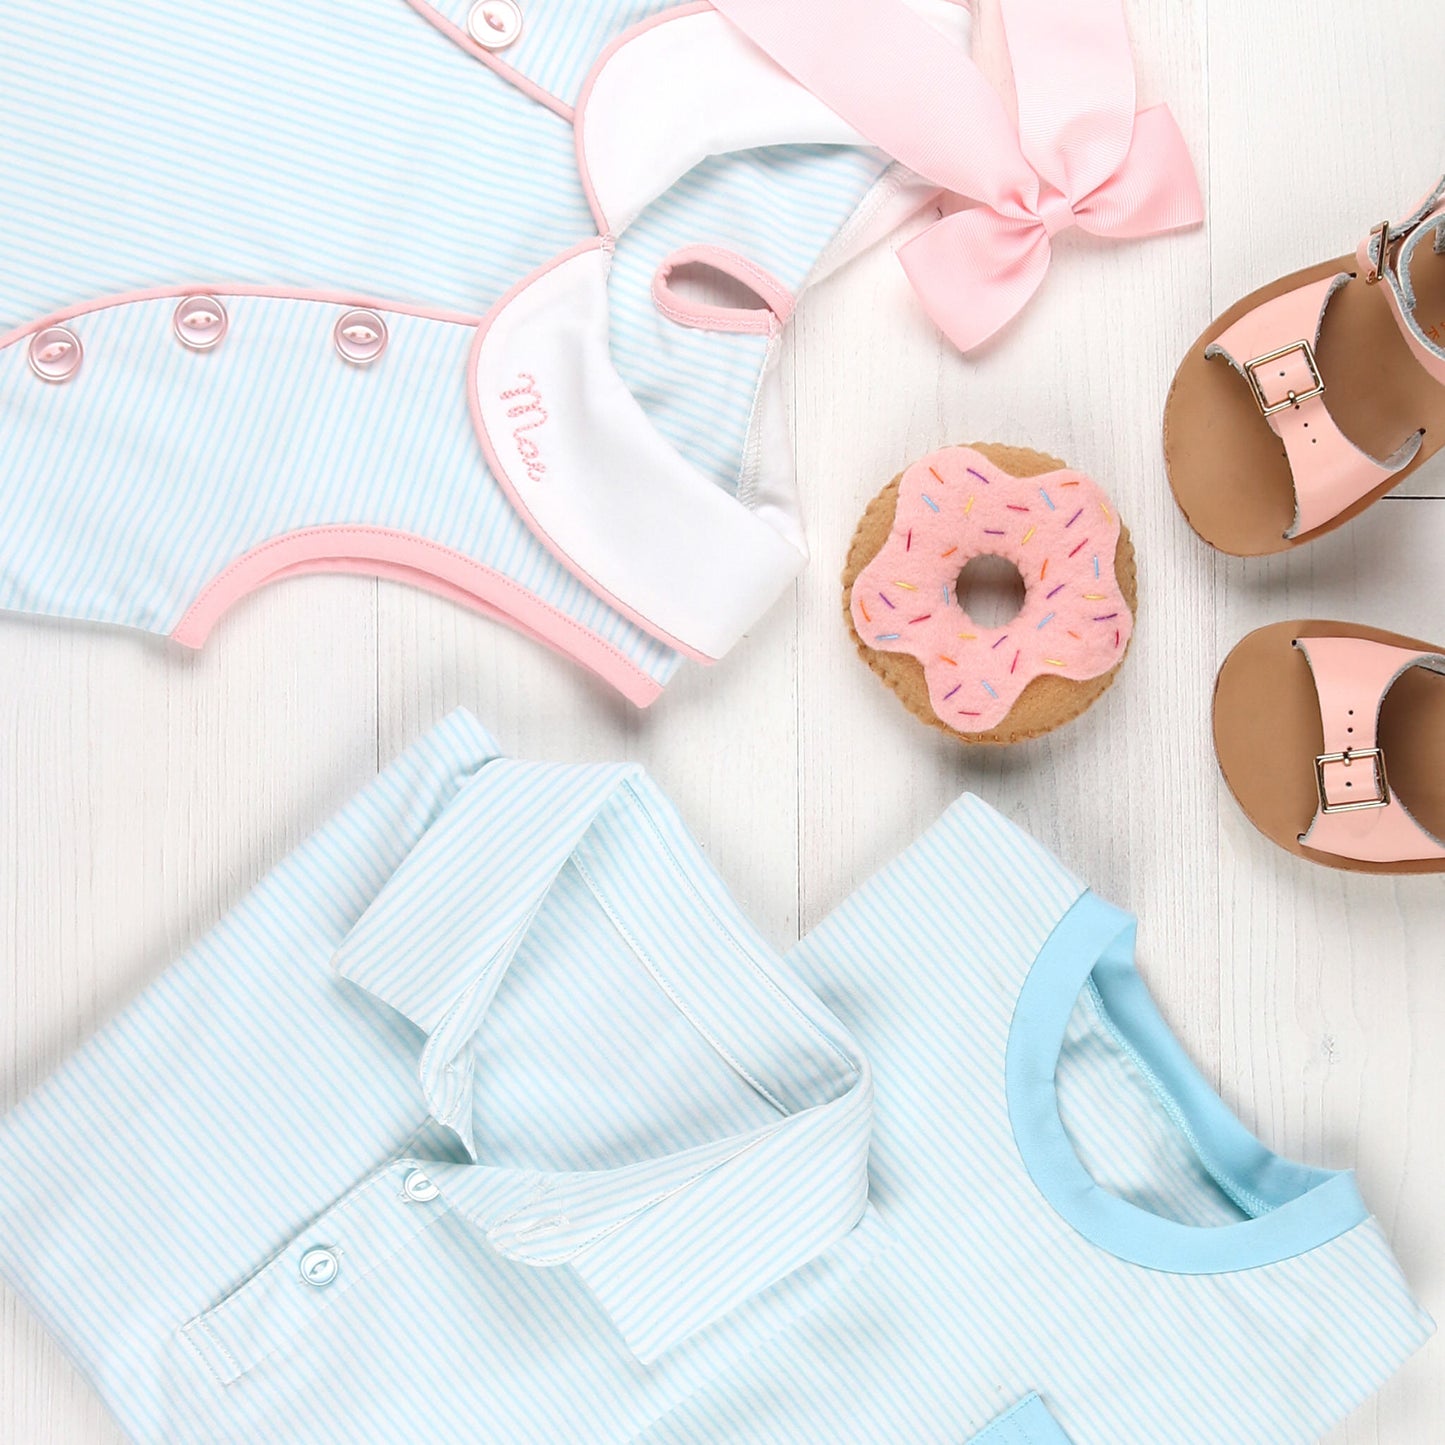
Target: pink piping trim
<point>765,321</point>
<point>275,293</point>
<point>488,58</point>
<point>623,674</point>
<point>504,481</point>
<point>402,557</point>
<point>579,123</point>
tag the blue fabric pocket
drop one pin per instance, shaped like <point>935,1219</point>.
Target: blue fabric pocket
<point>1028,1423</point>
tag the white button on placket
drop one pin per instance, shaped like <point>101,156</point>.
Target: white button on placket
<point>495,24</point>
<point>320,1266</point>
<point>418,1189</point>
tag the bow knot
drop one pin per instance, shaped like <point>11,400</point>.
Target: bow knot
<point>1055,211</point>
<point>975,269</point>
<point>1077,153</point>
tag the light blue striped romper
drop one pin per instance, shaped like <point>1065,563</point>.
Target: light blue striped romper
<point>487,1115</point>
<point>299,285</point>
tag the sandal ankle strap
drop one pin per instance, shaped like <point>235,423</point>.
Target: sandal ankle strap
<point>1385,255</point>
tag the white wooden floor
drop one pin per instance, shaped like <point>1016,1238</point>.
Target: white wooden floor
<point>143,789</point>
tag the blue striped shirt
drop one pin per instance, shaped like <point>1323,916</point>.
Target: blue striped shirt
<point>488,1114</point>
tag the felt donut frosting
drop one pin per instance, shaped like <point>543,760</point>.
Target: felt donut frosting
<point>1056,526</point>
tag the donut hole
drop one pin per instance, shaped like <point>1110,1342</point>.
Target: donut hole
<point>990,589</point>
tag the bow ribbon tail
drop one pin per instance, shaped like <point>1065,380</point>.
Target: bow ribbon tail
<point>1154,188</point>
<point>975,270</point>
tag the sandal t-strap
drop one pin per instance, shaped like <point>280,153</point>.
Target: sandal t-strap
<point>1331,391</point>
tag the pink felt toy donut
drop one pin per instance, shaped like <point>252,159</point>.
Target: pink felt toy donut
<point>1056,526</point>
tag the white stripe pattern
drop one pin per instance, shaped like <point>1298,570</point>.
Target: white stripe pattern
<point>672,1134</point>
<point>130,490</point>
<point>643,1226</point>
<point>986,1294</point>
<point>340,144</point>
<point>561,39</point>
<point>345,146</point>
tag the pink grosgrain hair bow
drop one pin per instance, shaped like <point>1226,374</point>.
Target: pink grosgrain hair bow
<point>1079,155</point>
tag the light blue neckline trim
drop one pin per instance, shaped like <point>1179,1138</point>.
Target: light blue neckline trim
<point>1295,1208</point>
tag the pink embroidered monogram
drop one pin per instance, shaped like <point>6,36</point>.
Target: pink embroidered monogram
<point>1078,155</point>
<point>529,413</point>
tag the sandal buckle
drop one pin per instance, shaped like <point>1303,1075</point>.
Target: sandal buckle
<point>1347,759</point>
<point>1293,398</point>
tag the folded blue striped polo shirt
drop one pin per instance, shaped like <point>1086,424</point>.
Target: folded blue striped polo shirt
<point>487,1114</point>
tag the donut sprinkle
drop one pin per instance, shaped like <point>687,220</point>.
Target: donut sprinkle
<point>1077,627</point>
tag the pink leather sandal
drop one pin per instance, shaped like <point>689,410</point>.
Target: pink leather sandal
<point>1311,398</point>
<point>1332,739</point>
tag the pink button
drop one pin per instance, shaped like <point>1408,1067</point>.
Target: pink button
<point>55,353</point>
<point>495,24</point>
<point>201,322</point>
<point>360,337</point>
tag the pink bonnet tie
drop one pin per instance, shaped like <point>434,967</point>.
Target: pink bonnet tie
<point>1079,155</point>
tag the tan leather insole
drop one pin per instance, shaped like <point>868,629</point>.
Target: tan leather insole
<point>1228,469</point>
<point>1267,734</point>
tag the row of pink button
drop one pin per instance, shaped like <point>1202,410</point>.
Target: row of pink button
<point>201,323</point>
